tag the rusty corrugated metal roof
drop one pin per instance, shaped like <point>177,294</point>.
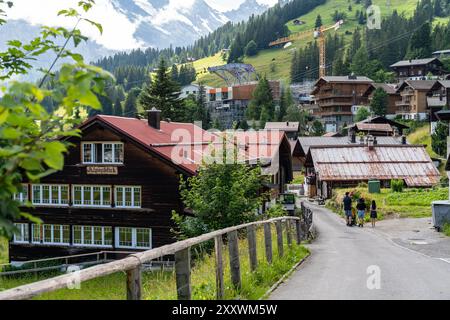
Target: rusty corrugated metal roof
<point>347,163</point>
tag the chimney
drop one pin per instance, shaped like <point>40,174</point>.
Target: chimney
<point>404,140</point>
<point>371,142</point>
<point>154,118</point>
<point>352,136</point>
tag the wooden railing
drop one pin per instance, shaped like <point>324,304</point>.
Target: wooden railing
<point>132,264</point>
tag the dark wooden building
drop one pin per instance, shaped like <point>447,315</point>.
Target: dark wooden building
<point>120,184</point>
<point>418,69</point>
<point>116,192</point>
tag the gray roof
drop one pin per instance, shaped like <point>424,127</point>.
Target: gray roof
<point>346,79</point>
<point>413,62</point>
<point>389,88</point>
<point>445,83</point>
<point>307,142</point>
<point>418,84</point>
<point>442,51</point>
<point>283,126</point>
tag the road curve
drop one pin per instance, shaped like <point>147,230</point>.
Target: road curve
<point>341,256</point>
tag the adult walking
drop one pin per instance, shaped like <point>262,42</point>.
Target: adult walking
<point>361,207</point>
<point>348,208</point>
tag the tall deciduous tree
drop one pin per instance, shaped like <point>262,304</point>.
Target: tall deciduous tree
<point>362,114</point>
<point>163,94</point>
<point>220,196</point>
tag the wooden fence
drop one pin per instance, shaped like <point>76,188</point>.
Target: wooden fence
<point>132,264</point>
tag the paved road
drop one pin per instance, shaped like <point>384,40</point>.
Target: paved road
<point>337,268</point>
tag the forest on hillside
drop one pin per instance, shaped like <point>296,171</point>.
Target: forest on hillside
<point>371,52</point>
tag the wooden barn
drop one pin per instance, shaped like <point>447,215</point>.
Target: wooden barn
<point>119,186</point>
<point>346,166</point>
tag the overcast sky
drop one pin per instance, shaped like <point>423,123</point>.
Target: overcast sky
<point>118,30</point>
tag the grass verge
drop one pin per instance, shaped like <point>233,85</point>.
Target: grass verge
<point>446,229</point>
<point>411,203</point>
<point>160,285</point>
<point>3,250</point>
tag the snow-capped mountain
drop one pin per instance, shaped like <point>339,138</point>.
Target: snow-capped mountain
<point>127,24</point>
<point>245,10</point>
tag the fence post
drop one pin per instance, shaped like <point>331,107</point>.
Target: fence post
<point>268,242</point>
<point>220,291</point>
<point>279,228</point>
<point>288,232</point>
<point>298,231</point>
<point>183,273</point>
<point>251,236</point>
<point>134,284</point>
<point>235,267</point>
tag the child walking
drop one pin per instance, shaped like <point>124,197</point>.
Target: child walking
<point>361,207</point>
<point>373,213</point>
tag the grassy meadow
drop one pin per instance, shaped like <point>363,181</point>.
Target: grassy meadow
<point>160,285</point>
<point>411,203</point>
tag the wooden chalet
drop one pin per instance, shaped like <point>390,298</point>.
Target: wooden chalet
<point>393,96</point>
<point>378,126</point>
<point>336,95</point>
<point>119,186</point>
<point>418,69</point>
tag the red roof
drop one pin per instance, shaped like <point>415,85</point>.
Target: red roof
<point>164,141</point>
<point>187,145</point>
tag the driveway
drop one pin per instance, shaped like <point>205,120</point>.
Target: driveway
<point>365,263</point>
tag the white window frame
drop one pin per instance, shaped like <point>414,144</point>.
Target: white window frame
<point>93,160</point>
<point>22,197</point>
<point>133,238</point>
<point>133,202</point>
<point>24,235</point>
<point>52,228</point>
<point>92,187</point>
<point>92,230</point>
<point>49,203</point>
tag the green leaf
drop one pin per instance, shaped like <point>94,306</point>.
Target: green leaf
<point>90,99</point>
<point>54,154</point>
<point>10,133</point>
<point>4,113</point>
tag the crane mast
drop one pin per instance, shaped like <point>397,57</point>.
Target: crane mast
<point>319,34</point>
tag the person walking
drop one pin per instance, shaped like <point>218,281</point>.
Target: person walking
<point>348,209</point>
<point>361,207</point>
<point>373,213</point>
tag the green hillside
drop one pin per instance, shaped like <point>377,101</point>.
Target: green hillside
<point>276,63</point>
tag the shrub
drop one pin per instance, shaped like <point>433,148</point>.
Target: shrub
<point>276,211</point>
<point>397,185</point>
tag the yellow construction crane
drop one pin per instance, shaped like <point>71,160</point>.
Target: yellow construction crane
<point>318,33</point>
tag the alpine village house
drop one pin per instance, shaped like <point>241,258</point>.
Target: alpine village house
<point>117,190</point>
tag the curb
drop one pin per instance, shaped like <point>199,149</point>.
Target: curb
<point>284,277</point>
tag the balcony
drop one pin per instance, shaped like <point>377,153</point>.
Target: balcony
<point>402,103</point>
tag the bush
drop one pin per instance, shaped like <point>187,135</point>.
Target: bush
<point>397,185</point>
<point>276,211</point>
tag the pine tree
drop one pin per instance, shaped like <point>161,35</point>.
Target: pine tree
<point>420,43</point>
<point>117,109</point>
<point>379,102</point>
<point>285,103</point>
<point>318,23</point>
<point>439,139</point>
<point>163,94</point>
<point>251,49</point>
<point>236,50</point>
<point>107,107</point>
<point>360,62</point>
<point>262,98</point>
<point>130,107</point>
<point>174,73</point>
